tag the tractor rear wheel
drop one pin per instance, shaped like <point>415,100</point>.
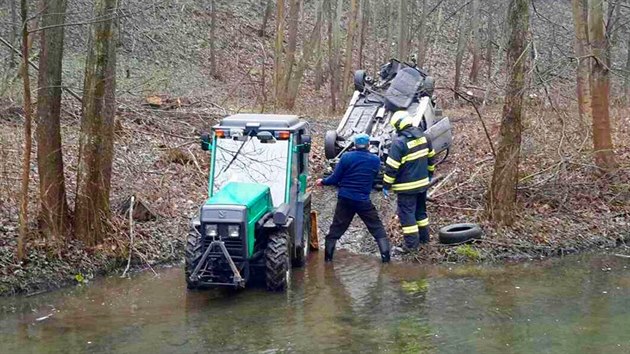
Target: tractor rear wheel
<point>193,255</point>
<point>277,261</point>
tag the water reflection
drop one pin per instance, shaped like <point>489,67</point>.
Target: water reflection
<point>577,305</point>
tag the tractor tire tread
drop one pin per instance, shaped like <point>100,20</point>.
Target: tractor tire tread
<point>192,255</point>
<point>277,261</point>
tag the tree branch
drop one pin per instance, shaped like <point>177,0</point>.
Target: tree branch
<point>34,66</point>
<point>483,124</point>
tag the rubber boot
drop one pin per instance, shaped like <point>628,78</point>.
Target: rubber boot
<point>383,246</point>
<point>411,242</point>
<point>329,250</point>
<point>424,235</point>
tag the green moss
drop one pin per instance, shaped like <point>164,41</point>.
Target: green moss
<point>469,252</point>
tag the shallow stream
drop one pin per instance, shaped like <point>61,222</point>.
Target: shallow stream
<point>572,305</point>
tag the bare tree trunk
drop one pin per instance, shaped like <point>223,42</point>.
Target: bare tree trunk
<point>54,215</point>
<point>583,68</point>
<point>263,78</point>
<point>294,83</point>
<point>610,22</point>
<point>266,14</point>
<point>375,30</point>
<point>475,40</point>
<point>600,88</point>
<point>363,19</point>
<point>294,12</point>
<point>490,44</point>
<point>319,57</point>
<point>434,35</point>
<point>26,157</point>
<point>459,55</point>
<point>626,80</point>
<point>347,67</point>
<point>96,139</point>
<point>402,30</point>
<point>390,30</point>
<point>502,201</point>
<point>422,35</point>
<point>213,57</point>
<point>13,33</point>
<point>277,58</point>
<point>334,55</point>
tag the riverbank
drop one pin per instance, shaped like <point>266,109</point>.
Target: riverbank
<point>157,160</point>
<point>564,206</point>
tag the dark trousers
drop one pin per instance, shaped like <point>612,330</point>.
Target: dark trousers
<point>344,213</point>
<point>412,212</point>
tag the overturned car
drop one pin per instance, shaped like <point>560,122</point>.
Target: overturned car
<point>400,86</point>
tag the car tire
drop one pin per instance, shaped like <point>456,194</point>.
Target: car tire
<point>458,233</point>
<point>330,144</point>
<point>359,80</point>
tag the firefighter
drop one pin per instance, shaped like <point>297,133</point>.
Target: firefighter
<point>354,176</point>
<point>408,172</point>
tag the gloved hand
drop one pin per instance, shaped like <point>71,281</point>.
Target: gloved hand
<point>386,193</point>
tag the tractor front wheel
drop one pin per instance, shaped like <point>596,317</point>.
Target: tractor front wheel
<point>193,255</point>
<point>277,261</point>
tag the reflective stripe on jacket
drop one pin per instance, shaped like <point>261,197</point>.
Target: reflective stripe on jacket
<point>410,162</point>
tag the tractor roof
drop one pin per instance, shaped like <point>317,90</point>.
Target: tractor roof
<point>268,121</point>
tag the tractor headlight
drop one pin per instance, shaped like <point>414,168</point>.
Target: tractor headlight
<point>212,230</point>
<point>234,230</point>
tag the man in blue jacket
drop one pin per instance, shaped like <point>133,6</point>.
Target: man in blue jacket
<point>354,176</point>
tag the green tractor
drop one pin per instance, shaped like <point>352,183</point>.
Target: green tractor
<point>256,221</point>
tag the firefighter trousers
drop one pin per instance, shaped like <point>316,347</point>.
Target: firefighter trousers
<point>412,213</point>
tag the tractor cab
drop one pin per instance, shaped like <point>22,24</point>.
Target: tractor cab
<point>256,219</point>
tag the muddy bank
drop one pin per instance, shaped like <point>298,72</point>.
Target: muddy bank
<point>157,159</point>
<point>564,207</point>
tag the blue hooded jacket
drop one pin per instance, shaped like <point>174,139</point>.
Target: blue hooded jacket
<point>354,175</point>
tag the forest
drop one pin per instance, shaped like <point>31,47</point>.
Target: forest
<point>102,103</point>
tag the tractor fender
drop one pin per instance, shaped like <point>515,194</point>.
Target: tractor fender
<point>281,214</point>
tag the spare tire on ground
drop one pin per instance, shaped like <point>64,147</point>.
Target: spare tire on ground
<point>458,233</point>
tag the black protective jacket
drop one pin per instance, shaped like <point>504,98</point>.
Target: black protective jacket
<point>410,162</point>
